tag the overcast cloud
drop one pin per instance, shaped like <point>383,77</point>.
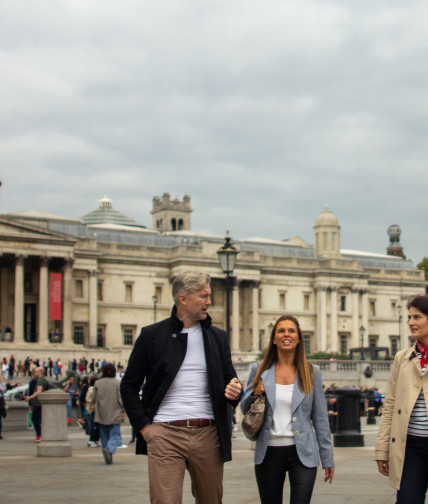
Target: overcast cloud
<point>261,111</point>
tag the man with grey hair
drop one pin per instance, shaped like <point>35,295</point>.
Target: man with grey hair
<point>182,420</point>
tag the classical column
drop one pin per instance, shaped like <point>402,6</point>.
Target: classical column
<point>93,312</point>
<point>321,318</point>
<point>4,289</point>
<point>355,320</point>
<point>403,327</point>
<point>19,300</point>
<point>333,319</point>
<point>67,302</point>
<point>235,319</point>
<point>255,317</point>
<point>365,314</point>
<point>323,334</point>
<point>43,301</point>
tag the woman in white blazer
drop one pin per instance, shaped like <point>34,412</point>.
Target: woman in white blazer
<point>295,432</point>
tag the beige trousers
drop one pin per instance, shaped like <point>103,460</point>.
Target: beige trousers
<point>171,451</point>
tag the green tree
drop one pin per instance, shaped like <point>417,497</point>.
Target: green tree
<point>423,265</point>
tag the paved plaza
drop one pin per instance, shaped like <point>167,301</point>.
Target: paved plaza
<point>85,477</point>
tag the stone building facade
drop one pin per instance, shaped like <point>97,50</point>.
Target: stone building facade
<point>111,267</point>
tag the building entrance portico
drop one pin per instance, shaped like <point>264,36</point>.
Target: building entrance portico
<point>27,261</point>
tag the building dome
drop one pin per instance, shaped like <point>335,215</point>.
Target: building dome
<point>326,218</point>
<point>327,234</point>
<point>106,214</point>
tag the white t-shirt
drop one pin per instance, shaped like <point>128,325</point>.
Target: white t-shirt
<point>281,431</point>
<point>188,395</point>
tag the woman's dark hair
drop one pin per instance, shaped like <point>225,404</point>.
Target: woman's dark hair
<point>305,369</point>
<point>108,370</point>
<point>420,303</point>
<point>93,380</point>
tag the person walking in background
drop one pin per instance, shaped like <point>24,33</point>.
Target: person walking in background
<point>91,428</point>
<point>109,412</point>
<point>36,407</point>
<point>182,420</point>
<point>11,366</point>
<point>2,405</point>
<point>81,402</point>
<point>295,432</point>
<point>56,370</point>
<point>70,387</point>
<point>401,450</point>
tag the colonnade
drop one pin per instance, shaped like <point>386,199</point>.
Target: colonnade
<point>235,316</point>
<point>328,295</point>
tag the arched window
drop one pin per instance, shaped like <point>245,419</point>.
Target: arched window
<point>173,224</point>
<point>180,224</point>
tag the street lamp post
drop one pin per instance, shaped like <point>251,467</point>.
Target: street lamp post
<point>227,258</point>
<point>155,301</point>
<point>399,308</point>
<point>362,332</point>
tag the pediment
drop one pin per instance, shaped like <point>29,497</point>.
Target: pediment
<point>18,230</point>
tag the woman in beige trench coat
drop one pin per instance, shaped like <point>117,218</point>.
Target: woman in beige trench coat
<point>402,442</point>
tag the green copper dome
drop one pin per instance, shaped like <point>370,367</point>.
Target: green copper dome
<point>105,214</point>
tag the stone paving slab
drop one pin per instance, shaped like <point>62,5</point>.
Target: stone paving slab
<point>85,477</point>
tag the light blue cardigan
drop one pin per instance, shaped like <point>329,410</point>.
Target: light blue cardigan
<point>309,418</point>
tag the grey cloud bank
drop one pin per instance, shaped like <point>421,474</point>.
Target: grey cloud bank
<point>261,112</point>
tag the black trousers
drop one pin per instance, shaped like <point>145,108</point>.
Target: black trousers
<point>270,476</point>
<point>414,479</point>
<point>37,419</point>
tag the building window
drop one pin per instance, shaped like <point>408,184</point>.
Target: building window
<point>100,291</point>
<point>394,344</point>
<point>372,307</point>
<point>306,302</point>
<point>128,293</point>
<point>343,342</point>
<point>282,300</point>
<point>128,336</point>
<point>393,308</point>
<point>28,283</point>
<point>79,334</point>
<point>100,337</point>
<point>307,343</point>
<point>324,240</point>
<point>342,303</point>
<point>78,289</point>
<point>158,293</point>
<point>373,340</point>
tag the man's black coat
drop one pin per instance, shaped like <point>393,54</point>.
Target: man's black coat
<point>157,356</point>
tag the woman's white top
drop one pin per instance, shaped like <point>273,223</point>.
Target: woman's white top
<point>281,431</point>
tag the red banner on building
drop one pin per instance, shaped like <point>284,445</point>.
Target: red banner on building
<point>55,305</point>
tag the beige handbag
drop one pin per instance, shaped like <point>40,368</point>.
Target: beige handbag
<point>254,418</point>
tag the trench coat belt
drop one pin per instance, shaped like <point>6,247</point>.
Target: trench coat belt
<point>193,422</point>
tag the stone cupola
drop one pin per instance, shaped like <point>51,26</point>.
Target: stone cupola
<point>327,234</point>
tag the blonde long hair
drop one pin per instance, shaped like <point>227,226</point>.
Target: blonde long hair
<point>305,370</point>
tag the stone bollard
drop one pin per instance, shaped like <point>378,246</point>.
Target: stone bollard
<point>348,430</point>
<point>54,441</point>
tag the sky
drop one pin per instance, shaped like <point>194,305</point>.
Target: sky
<point>261,112</point>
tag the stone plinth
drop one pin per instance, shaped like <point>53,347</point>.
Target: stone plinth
<point>54,425</point>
